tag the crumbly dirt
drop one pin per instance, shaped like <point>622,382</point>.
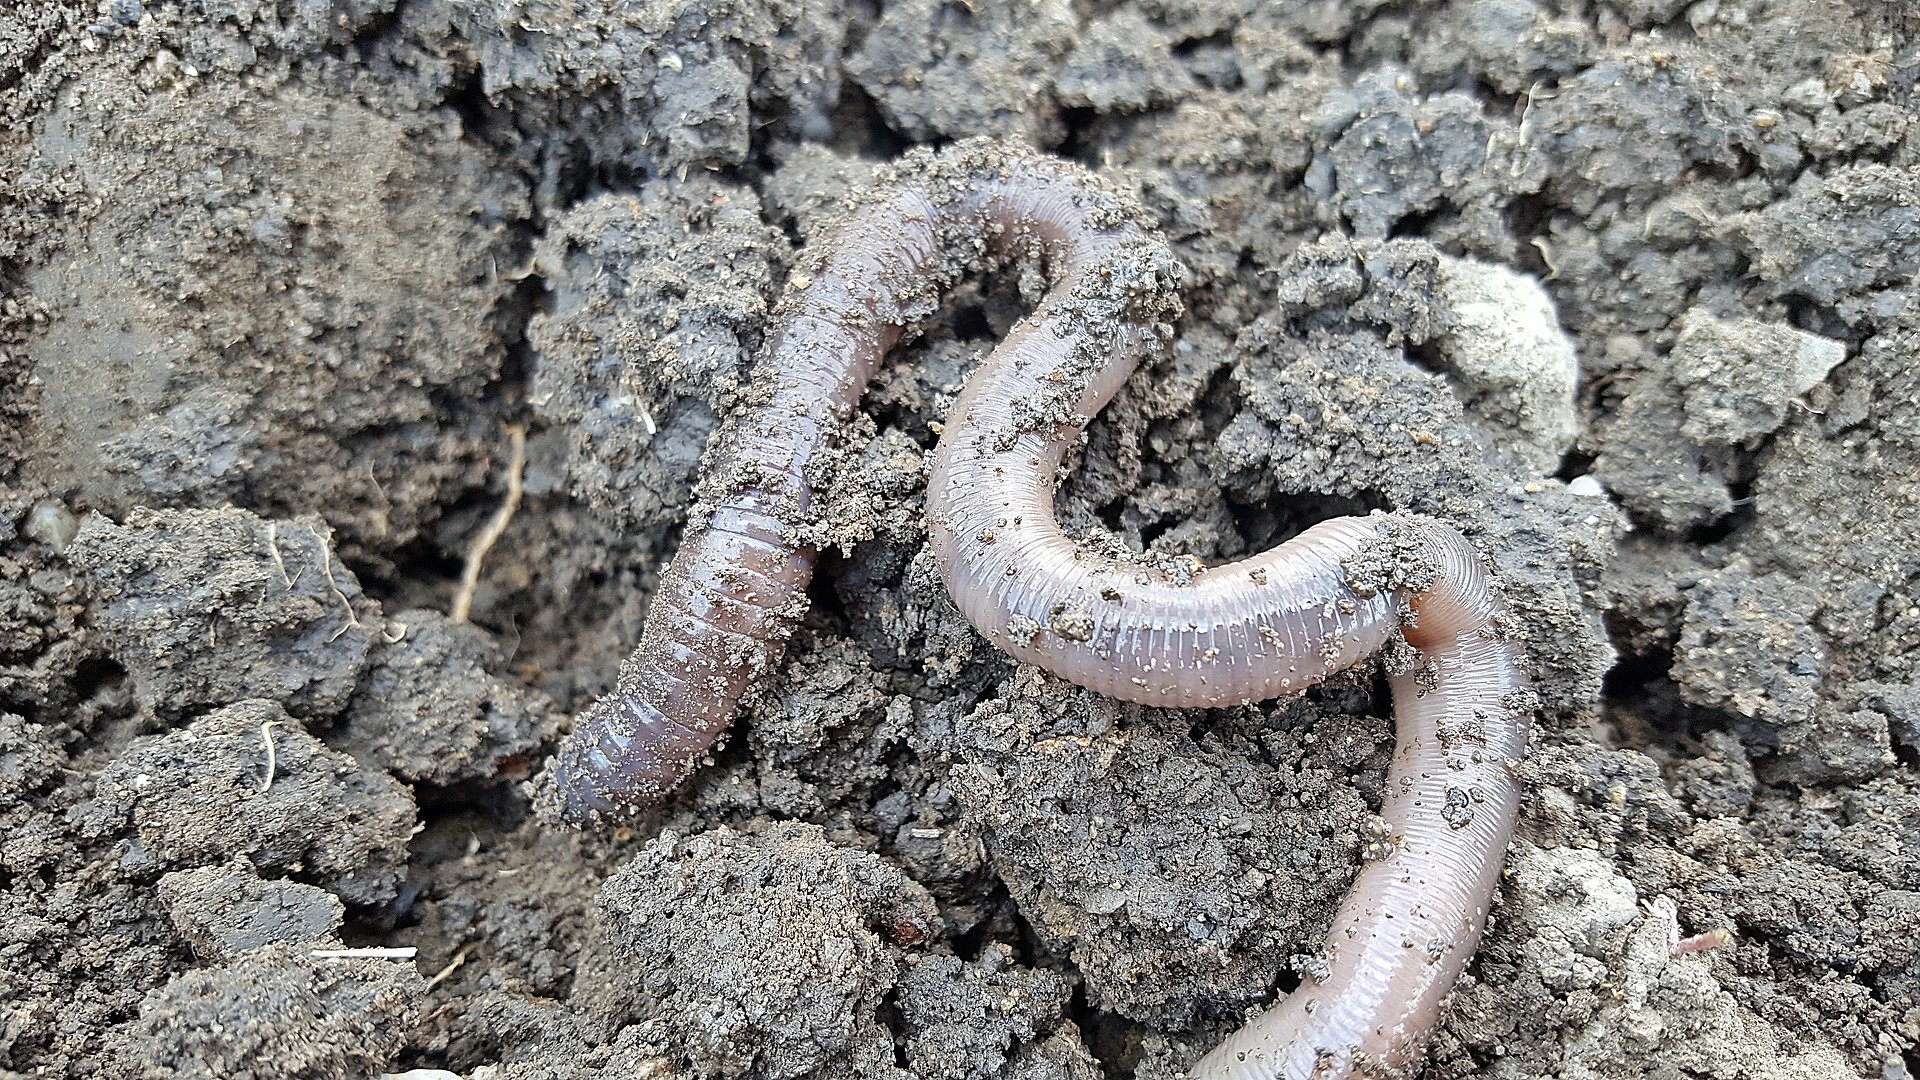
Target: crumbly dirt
<point>275,275</point>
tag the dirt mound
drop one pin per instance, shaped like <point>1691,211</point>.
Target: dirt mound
<point>275,277</point>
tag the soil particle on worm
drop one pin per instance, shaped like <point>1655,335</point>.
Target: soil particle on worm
<point>273,275</point>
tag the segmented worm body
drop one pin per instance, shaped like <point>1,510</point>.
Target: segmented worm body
<point>1268,625</point>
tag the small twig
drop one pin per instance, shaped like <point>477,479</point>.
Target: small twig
<point>326,564</point>
<point>273,546</point>
<point>406,953</point>
<point>1546,256</point>
<point>1664,909</point>
<point>1520,136</point>
<point>496,527</point>
<point>266,736</point>
<point>380,489</point>
<point>1712,939</point>
<point>453,965</point>
<point>512,650</point>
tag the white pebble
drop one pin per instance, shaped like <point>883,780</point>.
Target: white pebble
<point>52,524</point>
<point>1587,487</point>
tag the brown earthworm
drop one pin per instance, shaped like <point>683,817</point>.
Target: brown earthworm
<point>1266,626</point>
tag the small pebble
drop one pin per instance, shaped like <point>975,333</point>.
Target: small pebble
<point>52,524</point>
<point>1587,487</point>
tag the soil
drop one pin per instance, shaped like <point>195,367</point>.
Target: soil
<point>1623,288</point>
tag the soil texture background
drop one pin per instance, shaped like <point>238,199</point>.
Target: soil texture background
<point>1625,289</point>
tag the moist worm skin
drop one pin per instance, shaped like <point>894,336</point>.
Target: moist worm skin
<point>1413,918</point>
<point>1255,629</point>
<point>725,605</point>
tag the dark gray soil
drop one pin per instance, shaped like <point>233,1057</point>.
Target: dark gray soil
<point>276,275</point>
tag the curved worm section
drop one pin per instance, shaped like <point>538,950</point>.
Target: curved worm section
<point>1413,918</point>
<point>728,601</point>
<point>1255,629</point>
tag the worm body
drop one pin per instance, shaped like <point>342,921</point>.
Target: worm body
<point>725,605</point>
<point>1414,915</point>
<point>1259,628</point>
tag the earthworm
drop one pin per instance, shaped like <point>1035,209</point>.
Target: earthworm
<point>1255,629</point>
<point>731,595</point>
<point>1414,914</point>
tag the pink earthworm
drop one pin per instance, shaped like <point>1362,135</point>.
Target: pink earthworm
<point>1259,628</point>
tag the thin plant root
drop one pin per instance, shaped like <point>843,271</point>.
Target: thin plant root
<point>496,526</point>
